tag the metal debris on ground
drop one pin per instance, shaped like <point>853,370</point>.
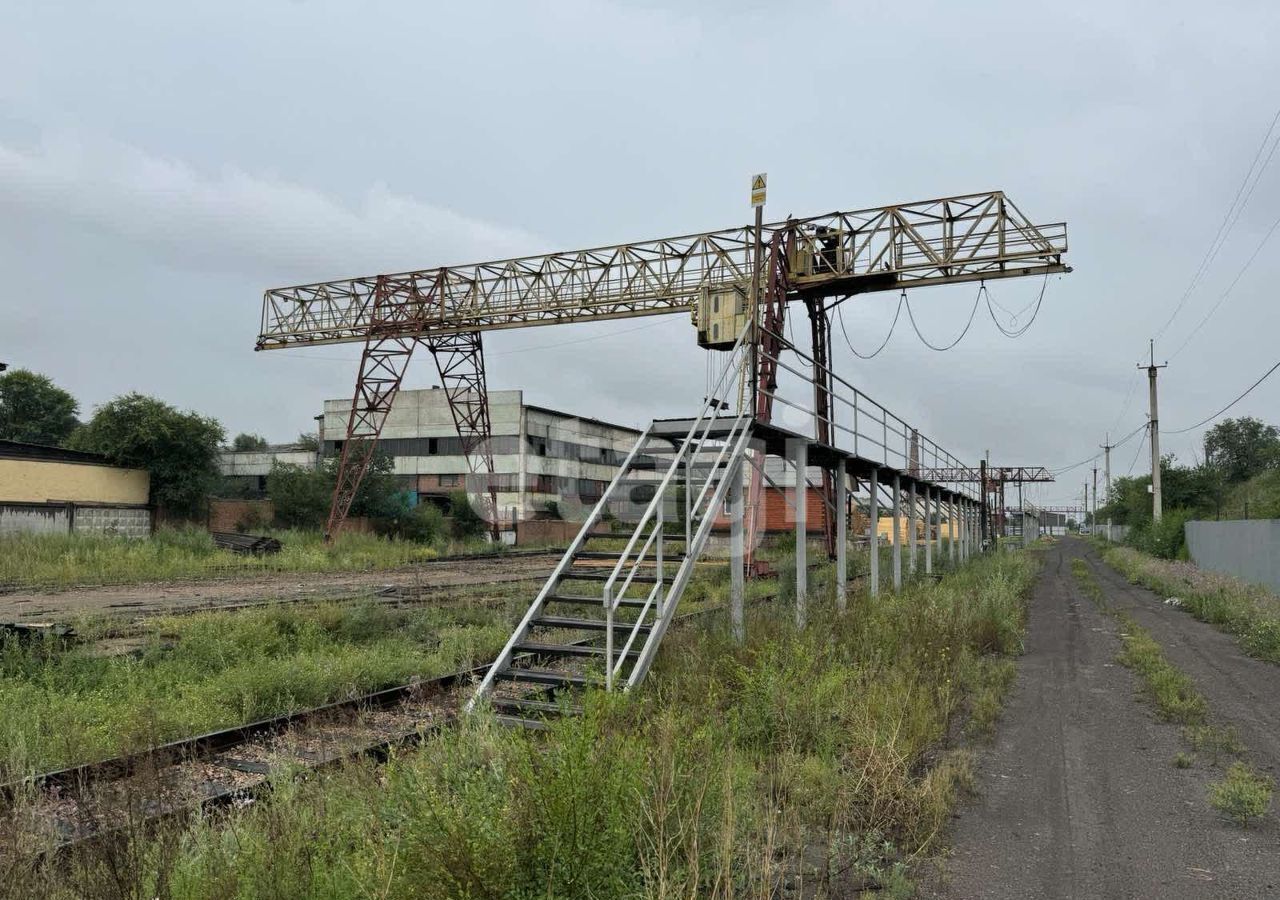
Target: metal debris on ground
<point>256,544</point>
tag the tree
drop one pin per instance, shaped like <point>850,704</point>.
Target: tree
<point>34,410</point>
<point>244,441</point>
<point>309,440</point>
<point>302,495</point>
<point>179,449</point>
<point>1241,448</point>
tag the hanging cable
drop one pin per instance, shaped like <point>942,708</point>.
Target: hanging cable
<point>1228,221</point>
<point>1016,332</point>
<point>1205,421</point>
<point>924,340</point>
<point>1227,293</point>
<point>1120,443</point>
<point>1142,443</point>
<point>898,312</point>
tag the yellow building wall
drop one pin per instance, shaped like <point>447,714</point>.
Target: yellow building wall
<point>38,481</point>
<point>884,528</point>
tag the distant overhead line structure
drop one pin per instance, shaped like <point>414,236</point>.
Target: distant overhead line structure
<point>967,238</point>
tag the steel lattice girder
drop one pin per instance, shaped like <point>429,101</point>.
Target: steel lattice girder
<point>995,474</point>
<point>973,237</point>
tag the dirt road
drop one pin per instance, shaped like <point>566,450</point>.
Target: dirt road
<point>1078,797</point>
<point>148,599</point>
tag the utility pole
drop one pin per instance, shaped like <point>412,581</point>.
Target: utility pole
<point>1152,370</point>
<point>1094,521</point>
<point>1106,463</point>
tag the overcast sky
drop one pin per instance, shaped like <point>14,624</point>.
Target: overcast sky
<point>161,164</point>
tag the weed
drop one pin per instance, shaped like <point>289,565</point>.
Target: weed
<point>1184,760</point>
<point>811,760</point>
<point>62,561</point>
<point>1242,795</point>
<point>1250,612</point>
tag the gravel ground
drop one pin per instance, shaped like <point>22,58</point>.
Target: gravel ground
<point>1078,796</point>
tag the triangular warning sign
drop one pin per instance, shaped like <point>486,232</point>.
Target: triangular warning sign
<point>757,183</point>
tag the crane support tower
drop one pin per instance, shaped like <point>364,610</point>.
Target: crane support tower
<point>820,260</point>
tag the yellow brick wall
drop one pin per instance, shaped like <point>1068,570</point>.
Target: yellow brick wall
<point>38,481</point>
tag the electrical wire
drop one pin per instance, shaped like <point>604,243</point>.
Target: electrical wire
<point>924,340</point>
<point>1142,443</point>
<point>840,317</point>
<point>1128,398</point>
<point>1205,421</point>
<point>1017,332</point>
<point>1229,220</point>
<point>1120,443</point>
<point>1227,293</point>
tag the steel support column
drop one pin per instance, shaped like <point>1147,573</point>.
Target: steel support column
<point>737,566</point>
<point>913,515</point>
<point>897,532</point>
<point>928,531</point>
<point>873,534</point>
<point>799,453</point>
<point>953,526</point>
<point>842,538</point>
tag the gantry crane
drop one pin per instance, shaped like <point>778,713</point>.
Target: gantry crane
<point>821,260</point>
<point>992,480</point>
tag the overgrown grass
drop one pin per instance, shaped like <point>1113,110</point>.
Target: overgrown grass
<point>1242,794</point>
<point>1250,612</point>
<point>1171,692</point>
<point>62,561</point>
<point>63,706</point>
<point>815,759</point>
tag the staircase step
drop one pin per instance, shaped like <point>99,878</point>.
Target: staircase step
<point>579,575</point>
<point>552,677</point>
<point>536,706</point>
<point>592,601</point>
<point>615,554</point>
<point>583,624</point>
<point>565,649</point>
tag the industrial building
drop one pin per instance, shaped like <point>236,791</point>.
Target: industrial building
<point>49,490</point>
<point>547,463</point>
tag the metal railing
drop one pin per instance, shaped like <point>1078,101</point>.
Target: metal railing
<point>860,424</point>
<point>715,443</point>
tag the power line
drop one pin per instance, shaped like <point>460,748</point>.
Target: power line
<point>1128,398</point>
<point>924,340</point>
<point>1142,443</point>
<point>1225,294</point>
<point>840,315</point>
<point>1120,443</point>
<point>1204,421</point>
<point>1229,220</point>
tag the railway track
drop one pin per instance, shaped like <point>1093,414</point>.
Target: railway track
<point>58,810</point>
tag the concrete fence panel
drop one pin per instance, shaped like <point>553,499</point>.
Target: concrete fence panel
<point>1248,549</point>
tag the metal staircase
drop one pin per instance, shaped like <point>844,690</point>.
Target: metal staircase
<point>621,585</point>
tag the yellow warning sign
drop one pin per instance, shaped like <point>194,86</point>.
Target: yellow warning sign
<point>757,189</point>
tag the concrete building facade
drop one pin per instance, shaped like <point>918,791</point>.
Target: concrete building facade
<point>546,462</point>
<point>50,490</point>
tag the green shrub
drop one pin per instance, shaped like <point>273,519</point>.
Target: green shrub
<point>465,522</point>
<point>1242,795</point>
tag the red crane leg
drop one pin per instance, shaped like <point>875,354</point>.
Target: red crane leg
<point>382,368</point>
<point>460,362</point>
